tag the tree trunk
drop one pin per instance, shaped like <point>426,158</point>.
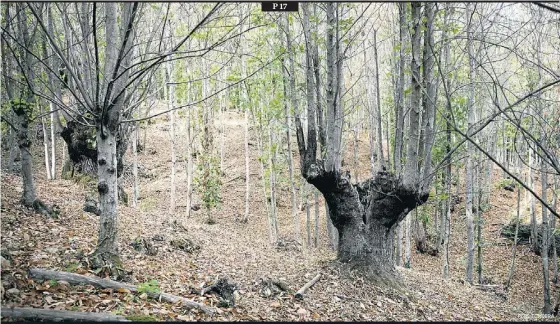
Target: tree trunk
<point>470,152</point>
<point>287,85</point>
<point>377,113</point>
<point>245,96</point>
<point>514,247</point>
<point>316,236</point>
<point>399,92</point>
<point>106,253</point>
<point>294,102</point>
<point>53,141</point>
<point>190,165</point>
<point>46,147</point>
<point>553,237</point>
<point>398,257</point>
<point>308,216</point>
<point>24,144</point>
<point>366,216</point>
<point>170,104</point>
<point>135,192</point>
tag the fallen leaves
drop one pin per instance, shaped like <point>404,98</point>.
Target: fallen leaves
<point>241,251</point>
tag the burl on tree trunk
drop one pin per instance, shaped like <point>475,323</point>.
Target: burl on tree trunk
<point>366,216</point>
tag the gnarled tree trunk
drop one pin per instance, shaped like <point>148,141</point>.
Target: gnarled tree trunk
<point>366,215</point>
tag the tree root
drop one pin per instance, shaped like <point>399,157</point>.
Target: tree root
<point>41,208</point>
<point>108,264</point>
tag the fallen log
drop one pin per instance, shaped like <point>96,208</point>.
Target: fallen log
<point>59,315</point>
<point>299,293</point>
<point>76,279</point>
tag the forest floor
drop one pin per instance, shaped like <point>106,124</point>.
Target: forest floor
<point>242,253</point>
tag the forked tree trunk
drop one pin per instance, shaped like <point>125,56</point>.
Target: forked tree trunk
<point>366,216</point>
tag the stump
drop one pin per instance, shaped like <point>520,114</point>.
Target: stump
<point>184,244</point>
<point>143,245</point>
<point>224,290</point>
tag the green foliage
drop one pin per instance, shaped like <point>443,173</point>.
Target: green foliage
<point>141,318</point>
<point>72,267</point>
<point>506,183</point>
<point>53,282</point>
<point>149,287</point>
<point>148,204</point>
<point>424,215</point>
<point>209,181</point>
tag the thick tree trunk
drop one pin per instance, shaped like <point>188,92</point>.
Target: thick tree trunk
<point>470,152</point>
<point>366,216</point>
<point>106,253</point>
<point>398,256</point>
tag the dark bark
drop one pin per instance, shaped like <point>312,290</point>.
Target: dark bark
<point>524,236</point>
<point>365,215</point>
<point>83,155</point>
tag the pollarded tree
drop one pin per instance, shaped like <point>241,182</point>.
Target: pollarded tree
<point>366,214</point>
<point>103,79</point>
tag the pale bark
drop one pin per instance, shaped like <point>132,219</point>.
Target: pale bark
<point>407,255</point>
<point>514,247</point>
<point>309,284</point>
<point>169,66</point>
<point>272,177</point>
<point>135,189</point>
<point>46,147</point>
<point>470,151</point>
<point>246,131</point>
<point>553,228</point>
<point>308,215</point>
<point>410,174</point>
<point>294,103</point>
<point>53,141</point>
<point>316,236</point>
<point>399,92</point>
<point>377,114</point>
<point>107,189</point>
<point>429,97</point>
<point>59,315</point>
<point>190,162</point>
<point>398,257</point>
<point>446,215</point>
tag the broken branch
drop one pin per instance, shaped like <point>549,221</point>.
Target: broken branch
<point>299,293</point>
<point>57,315</point>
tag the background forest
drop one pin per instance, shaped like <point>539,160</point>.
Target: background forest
<point>349,161</point>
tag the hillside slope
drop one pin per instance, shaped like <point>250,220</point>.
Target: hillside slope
<point>240,252</point>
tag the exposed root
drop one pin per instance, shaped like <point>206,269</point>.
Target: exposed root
<point>40,207</point>
<point>382,278</point>
<point>107,264</point>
